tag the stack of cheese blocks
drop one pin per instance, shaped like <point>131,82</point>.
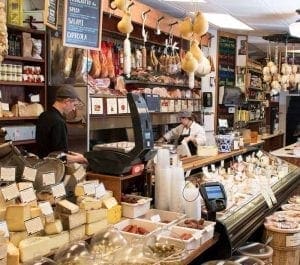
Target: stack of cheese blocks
<point>98,215</point>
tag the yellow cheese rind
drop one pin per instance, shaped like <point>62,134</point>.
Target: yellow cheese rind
<point>13,254</point>
<point>53,228</point>
<point>33,247</point>
<point>96,227</point>
<point>77,233</point>
<point>96,215</point>
<point>16,215</point>
<point>114,214</point>
<point>17,237</point>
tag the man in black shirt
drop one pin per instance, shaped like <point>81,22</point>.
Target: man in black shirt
<point>51,130</point>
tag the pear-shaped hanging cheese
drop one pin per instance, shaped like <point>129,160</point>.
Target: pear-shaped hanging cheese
<point>186,27</point>
<point>195,50</point>
<point>189,63</point>
<point>125,25</point>
<point>120,4</point>
<point>200,25</point>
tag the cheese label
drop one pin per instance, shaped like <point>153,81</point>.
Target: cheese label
<point>27,195</point>
<point>8,173</point>
<point>5,106</point>
<point>58,190</point>
<point>110,202</point>
<point>240,159</point>
<point>48,178</point>
<point>155,218</point>
<point>213,167</point>
<point>29,173</point>
<point>46,208</point>
<point>4,228</point>
<point>100,190</point>
<point>79,174</point>
<point>10,192</point>
<point>293,241</point>
<point>266,197</point>
<point>222,163</point>
<point>259,154</point>
<point>89,188</point>
<point>34,225</point>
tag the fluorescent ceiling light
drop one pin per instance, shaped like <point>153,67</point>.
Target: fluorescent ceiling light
<point>185,1</point>
<point>226,21</point>
<point>294,29</point>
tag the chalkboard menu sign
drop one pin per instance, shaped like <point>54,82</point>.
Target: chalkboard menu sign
<point>82,24</point>
<point>51,8</point>
<point>227,52</point>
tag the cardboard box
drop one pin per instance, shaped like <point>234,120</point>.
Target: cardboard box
<point>38,19</point>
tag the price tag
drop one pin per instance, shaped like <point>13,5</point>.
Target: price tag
<point>266,197</point>
<point>259,153</point>
<point>8,173</point>
<point>89,188</point>
<point>271,195</point>
<point>100,190</point>
<point>293,241</point>
<point>155,218</point>
<point>58,190</point>
<point>48,178</point>
<point>5,106</point>
<point>10,192</point>
<point>34,225</point>
<point>29,173</point>
<point>213,167</point>
<point>79,174</point>
<point>46,208</point>
<point>27,195</point>
<point>4,228</point>
<point>240,159</point>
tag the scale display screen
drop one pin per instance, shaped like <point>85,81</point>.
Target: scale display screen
<point>214,192</point>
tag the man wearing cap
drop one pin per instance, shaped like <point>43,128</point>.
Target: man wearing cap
<point>51,130</point>
<point>189,131</point>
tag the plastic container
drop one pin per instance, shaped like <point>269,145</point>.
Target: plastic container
<point>134,210</point>
<point>163,217</point>
<point>147,225</point>
<point>258,251</point>
<point>220,262</point>
<point>245,260</point>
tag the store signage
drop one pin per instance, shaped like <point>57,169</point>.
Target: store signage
<point>82,24</point>
<point>51,11</point>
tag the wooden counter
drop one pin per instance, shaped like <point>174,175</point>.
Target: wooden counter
<point>286,153</point>
<point>273,141</point>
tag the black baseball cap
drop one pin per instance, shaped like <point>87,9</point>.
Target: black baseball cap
<point>67,91</point>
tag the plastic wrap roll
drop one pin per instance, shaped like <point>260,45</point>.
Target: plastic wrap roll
<point>162,188</point>
<point>177,186</point>
<point>163,158</point>
<point>192,202</point>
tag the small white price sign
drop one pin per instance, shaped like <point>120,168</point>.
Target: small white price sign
<point>34,225</point>
<point>100,190</point>
<point>80,173</point>
<point>155,218</point>
<point>27,195</point>
<point>46,208</point>
<point>10,192</point>
<point>29,173</point>
<point>8,173</point>
<point>58,190</point>
<point>89,188</point>
<point>48,178</point>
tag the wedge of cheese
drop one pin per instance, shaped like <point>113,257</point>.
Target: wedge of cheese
<point>67,207</point>
<point>79,189</point>
<point>2,213</point>
<point>34,247</point>
<point>58,240</point>
<point>71,221</point>
<point>53,228</point>
<point>17,237</point>
<point>16,215</point>
<point>13,254</point>
<point>96,215</point>
<point>77,233</point>
<point>96,227</point>
<point>90,203</point>
<point>3,250</point>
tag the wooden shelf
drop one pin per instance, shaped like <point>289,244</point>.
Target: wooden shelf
<point>14,83</point>
<point>24,142</point>
<point>24,29</point>
<point>255,88</point>
<point>18,118</point>
<point>148,83</point>
<point>23,59</point>
<point>255,121</point>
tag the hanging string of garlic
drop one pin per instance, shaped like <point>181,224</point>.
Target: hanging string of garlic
<point>3,33</point>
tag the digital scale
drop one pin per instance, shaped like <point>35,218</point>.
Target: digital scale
<point>214,196</point>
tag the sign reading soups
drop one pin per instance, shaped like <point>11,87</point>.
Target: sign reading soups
<point>82,23</point>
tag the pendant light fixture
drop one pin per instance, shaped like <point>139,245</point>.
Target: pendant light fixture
<point>294,28</point>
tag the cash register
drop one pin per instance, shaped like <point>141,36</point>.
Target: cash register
<point>214,196</point>
<point>111,160</point>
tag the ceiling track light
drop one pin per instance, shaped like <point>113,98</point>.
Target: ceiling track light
<point>294,28</point>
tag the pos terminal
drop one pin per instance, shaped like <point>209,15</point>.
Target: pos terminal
<point>214,196</point>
